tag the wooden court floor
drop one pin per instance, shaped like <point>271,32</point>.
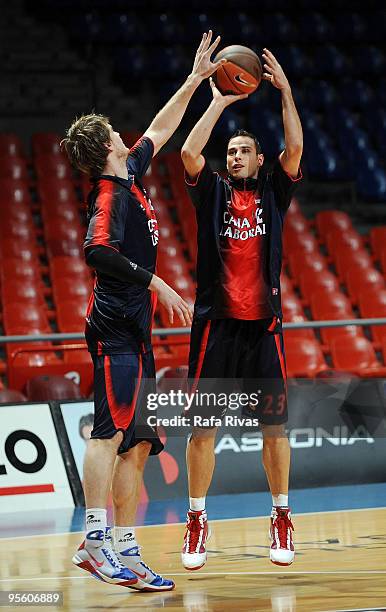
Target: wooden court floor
<point>340,564</point>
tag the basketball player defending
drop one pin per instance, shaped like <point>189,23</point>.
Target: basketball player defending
<point>236,330</point>
<point>121,244</point>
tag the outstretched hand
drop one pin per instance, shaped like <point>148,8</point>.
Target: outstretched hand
<point>275,73</point>
<point>226,100</point>
<point>203,67</point>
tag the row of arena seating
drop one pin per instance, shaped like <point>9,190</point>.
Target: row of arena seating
<point>330,271</point>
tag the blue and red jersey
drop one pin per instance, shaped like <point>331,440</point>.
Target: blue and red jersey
<point>239,238</point>
<point>122,218</point>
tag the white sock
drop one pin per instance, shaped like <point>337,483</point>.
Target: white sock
<point>197,503</point>
<point>96,520</point>
<point>280,500</point>
<point>124,538</point>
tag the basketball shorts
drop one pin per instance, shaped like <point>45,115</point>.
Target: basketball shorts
<point>121,383</point>
<point>250,354</point>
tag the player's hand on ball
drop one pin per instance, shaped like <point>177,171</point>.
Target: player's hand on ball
<point>274,72</point>
<point>203,67</point>
<point>171,301</point>
<point>227,99</point>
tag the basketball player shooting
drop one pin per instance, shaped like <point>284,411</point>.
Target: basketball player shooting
<point>121,245</point>
<point>237,323</point>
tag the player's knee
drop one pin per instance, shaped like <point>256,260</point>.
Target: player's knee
<point>203,438</point>
<point>274,434</point>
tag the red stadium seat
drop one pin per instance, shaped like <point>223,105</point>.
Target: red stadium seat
<point>46,143</point>
<point>13,168</point>
<point>326,303</point>
<point>130,138</point>
<point>22,291</point>
<point>378,240</point>
<point>65,211</point>
<point>298,261</point>
<point>329,334</point>
<point>66,289</point>
<point>58,229</point>
<point>338,240</point>
<point>19,318</point>
<point>304,242</point>
<point>71,315</point>
<point>44,388</point>
<point>300,334</point>
<point>11,396</point>
<point>311,281</point>
<point>351,259</point>
<point>291,306</point>
<point>24,250</point>
<point>327,220</point>
<point>17,230</point>
<point>383,261</point>
<point>64,248</point>
<point>285,284</point>
<point>19,213</point>
<point>13,268</point>
<point>56,166</point>
<point>11,146</point>
<point>73,267</point>
<point>356,355</point>
<point>55,192</point>
<point>13,192</point>
<point>363,279</point>
<point>372,304</point>
<point>304,358</point>
<point>296,223</point>
<point>172,267</point>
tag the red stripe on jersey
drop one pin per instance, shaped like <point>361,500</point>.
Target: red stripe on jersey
<point>122,414</point>
<point>101,228</point>
<point>281,359</point>
<point>90,301</point>
<point>143,201</point>
<point>203,345</point>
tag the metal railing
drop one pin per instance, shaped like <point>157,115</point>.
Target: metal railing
<point>178,331</point>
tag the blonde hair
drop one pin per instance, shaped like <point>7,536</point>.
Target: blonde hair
<point>86,143</point>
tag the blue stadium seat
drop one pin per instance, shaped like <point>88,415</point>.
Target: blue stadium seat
<point>279,26</point>
<point>355,95</point>
<point>122,28</point>
<point>331,61</point>
<point>314,27</point>
<point>350,27</point>
<point>131,61</point>
<point>320,95</point>
<point>371,184</point>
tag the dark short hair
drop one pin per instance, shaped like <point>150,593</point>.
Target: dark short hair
<point>86,143</point>
<point>86,419</point>
<point>250,135</point>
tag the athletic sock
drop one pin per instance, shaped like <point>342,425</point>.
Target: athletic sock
<point>280,500</point>
<point>197,504</point>
<point>96,521</point>
<point>124,538</point>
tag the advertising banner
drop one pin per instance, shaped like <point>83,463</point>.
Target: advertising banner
<point>32,472</point>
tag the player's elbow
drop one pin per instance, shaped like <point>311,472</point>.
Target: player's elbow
<point>295,149</point>
<point>187,154</point>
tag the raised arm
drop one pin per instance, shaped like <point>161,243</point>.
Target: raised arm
<point>293,133</point>
<point>169,117</point>
<point>191,151</point>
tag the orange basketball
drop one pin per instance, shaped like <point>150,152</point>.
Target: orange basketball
<point>242,72</point>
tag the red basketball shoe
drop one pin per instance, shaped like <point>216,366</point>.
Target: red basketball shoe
<point>282,547</point>
<point>196,536</point>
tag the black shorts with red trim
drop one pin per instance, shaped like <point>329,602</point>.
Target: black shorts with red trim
<point>249,352</point>
<point>121,384</point>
